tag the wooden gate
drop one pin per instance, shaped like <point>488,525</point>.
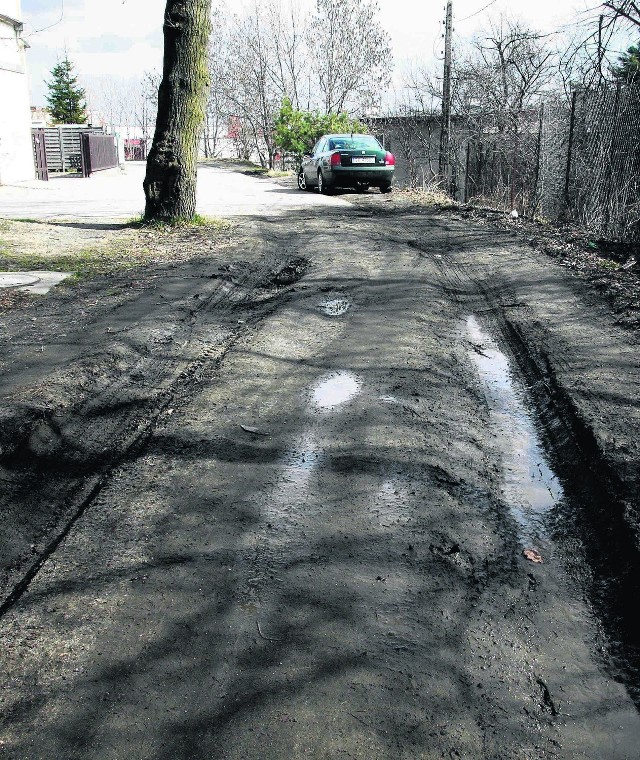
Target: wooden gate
<point>40,154</point>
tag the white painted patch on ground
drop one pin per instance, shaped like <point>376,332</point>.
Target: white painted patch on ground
<point>37,283</point>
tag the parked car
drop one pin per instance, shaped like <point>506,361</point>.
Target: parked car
<point>357,161</point>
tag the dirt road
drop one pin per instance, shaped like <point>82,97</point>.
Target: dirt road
<point>274,504</point>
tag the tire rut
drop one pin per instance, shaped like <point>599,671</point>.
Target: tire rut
<point>72,455</point>
<point>602,508</point>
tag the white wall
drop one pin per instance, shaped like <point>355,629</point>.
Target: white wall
<point>11,8</point>
<point>16,153</point>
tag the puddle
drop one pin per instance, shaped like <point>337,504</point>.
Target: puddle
<point>334,390</point>
<point>335,306</point>
<point>298,463</point>
<point>530,486</point>
<point>296,468</point>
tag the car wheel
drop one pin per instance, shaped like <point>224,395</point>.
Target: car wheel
<point>322,185</point>
<point>302,180</point>
<point>385,188</point>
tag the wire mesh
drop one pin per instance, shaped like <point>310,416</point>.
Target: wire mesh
<point>579,160</point>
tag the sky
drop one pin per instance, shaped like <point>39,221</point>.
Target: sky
<point>123,38</point>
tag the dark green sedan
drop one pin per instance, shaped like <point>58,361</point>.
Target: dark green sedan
<point>357,161</point>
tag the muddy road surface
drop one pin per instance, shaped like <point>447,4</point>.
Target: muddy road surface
<point>290,502</point>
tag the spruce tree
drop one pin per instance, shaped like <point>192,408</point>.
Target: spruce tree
<point>66,98</point>
<point>628,68</point>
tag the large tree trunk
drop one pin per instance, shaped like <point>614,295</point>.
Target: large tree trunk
<point>170,182</point>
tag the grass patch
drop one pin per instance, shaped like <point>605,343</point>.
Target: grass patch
<point>82,265</point>
<point>133,244</point>
<point>166,225</point>
<point>611,266</point>
<point>427,197</point>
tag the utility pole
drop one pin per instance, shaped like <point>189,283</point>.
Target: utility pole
<point>443,164</point>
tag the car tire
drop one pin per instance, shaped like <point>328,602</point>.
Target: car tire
<point>385,188</point>
<point>322,185</point>
<point>302,180</point>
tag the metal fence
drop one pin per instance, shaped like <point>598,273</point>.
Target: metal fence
<point>577,160</point>
<point>603,174</point>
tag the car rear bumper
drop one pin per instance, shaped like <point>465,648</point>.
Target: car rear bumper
<point>350,175</point>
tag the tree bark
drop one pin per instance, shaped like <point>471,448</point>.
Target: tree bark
<point>170,182</point>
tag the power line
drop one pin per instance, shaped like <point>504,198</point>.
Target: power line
<point>459,20</point>
<point>55,23</point>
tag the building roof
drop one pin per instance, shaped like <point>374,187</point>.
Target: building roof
<point>17,25</point>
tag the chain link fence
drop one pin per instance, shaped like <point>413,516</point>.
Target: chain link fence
<point>577,160</point>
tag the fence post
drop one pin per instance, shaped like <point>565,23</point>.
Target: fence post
<point>514,159</point>
<point>536,197</point>
<point>85,158</point>
<point>61,143</point>
<point>572,122</point>
<point>466,173</point>
<point>609,183</point>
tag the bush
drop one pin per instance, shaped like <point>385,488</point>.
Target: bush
<point>298,131</point>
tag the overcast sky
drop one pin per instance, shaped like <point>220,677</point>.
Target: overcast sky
<point>124,39</point>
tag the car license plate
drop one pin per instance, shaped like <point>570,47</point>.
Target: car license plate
<point>363,160</point>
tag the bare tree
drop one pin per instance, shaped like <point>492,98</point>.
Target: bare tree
<point>252,90</point>
<point>350,54</point>
<point>111,101</point>
<point>170,182</point>
<point>509,69</point>
<point>216,111</point>
<point>497,91</point>
<point>270,53</point>
<point>146,104</point>
<point>589,54</point>
<point>622,12</point>
<point>292,71</point>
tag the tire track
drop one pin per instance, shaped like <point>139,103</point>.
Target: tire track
<point>113,425</point>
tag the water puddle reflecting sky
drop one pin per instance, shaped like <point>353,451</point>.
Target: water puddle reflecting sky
<point>334,390</point>
<point>335,307</point>
<point>530,486</point>
<point>286,502</point>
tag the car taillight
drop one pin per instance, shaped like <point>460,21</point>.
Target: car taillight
<point>390,159</point>
<point>335,159</point>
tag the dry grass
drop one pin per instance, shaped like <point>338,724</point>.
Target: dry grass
<point>97,250</point>
<point>429,196</point>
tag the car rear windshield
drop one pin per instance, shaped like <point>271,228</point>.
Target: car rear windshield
<point>357,142</point>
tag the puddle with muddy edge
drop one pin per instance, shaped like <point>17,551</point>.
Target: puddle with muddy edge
<point>576,523</point>
<point>530,486</point>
